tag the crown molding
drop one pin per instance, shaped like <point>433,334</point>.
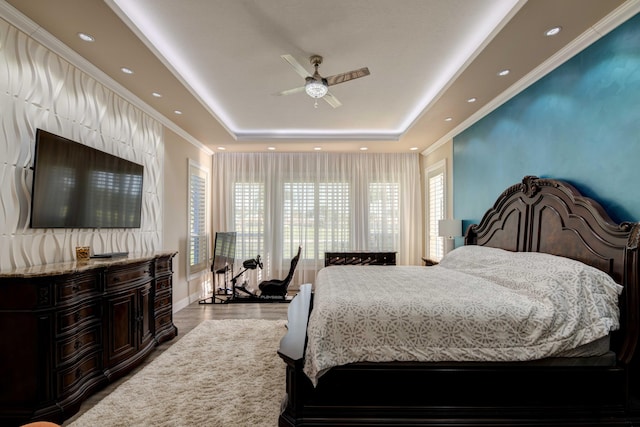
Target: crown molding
<point>625,11</point>
<point>39,34</point>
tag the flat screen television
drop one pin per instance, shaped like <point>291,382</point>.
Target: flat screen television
<point>76,186</point>
<point>224,251</point>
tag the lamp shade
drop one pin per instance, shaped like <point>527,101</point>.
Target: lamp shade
<point>316,89</point>
<point>450,228</point>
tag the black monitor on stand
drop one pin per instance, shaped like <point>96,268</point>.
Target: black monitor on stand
<point>224,251</point>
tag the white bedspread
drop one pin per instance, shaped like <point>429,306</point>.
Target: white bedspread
<point>478,304</point>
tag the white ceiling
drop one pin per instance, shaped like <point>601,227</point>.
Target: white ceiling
<point>219,62</point>
<point>230,53</point>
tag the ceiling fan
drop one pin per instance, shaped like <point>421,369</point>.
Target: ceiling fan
<point>317,86</point>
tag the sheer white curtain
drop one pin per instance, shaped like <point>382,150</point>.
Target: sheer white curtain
<point>320,201</point>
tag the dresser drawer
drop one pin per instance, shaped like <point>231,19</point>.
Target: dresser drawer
<point>163,266</point>
<point>126,275</point>
<point>163,320</point>
<point>359,258</point>
<point>79,373</point>
<point>68,320</point>
<point>162,301</point>
<point>333,259</point>
<point>352,259</point>
<point>163,284</point>
<point>83,342</point>
<point>383,258</point>
<point>78,286</point>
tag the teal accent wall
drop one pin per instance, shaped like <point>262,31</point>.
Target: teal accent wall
<point>580,123</point>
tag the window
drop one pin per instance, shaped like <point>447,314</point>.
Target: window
<point>384,215</point>
<point>316,214</point>
<point>334,217</point>
<point>323,202</point>
<point>198,239</point>
<point>435,209</point>
<point>249,217</point>
<point>298,215</point>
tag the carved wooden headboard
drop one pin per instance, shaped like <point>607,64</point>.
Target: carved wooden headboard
<point>551,216</point>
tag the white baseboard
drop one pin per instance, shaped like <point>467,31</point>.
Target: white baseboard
<point>179,305</point>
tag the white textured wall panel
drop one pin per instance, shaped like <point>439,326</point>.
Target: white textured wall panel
<point>39,89</point>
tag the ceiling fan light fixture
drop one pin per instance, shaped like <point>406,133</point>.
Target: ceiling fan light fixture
<point>315,88</point>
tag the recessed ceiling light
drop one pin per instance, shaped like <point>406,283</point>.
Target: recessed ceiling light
<point>413,148</point>
<point>157,95</point>
<point>553,31</point>
<point>470,100</point>
<point>178,112</point>
<point>126,70</point>
<point>271,148</point>
<point>363,148</point>
<point>221,148</point>
<point>317,148</point>
<point>503,72</point>
<point>448,119</point>
<point>86,37</point>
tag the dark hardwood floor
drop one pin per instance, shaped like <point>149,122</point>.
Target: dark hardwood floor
<point>187,319</point>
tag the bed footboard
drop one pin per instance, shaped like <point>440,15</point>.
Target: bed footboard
<point>291,350</point>
<point>444,394</point>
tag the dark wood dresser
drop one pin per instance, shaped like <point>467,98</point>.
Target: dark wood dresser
<point>359,258</point>
<point>67,329</point>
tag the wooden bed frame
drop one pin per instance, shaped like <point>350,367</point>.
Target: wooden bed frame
<point>542,215</point>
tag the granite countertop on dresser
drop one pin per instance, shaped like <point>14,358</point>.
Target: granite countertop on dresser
<point>59,268</point>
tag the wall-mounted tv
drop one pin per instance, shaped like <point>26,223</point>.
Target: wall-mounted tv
<point>76,186</point>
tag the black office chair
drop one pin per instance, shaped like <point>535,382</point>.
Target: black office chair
<point>276,287</point>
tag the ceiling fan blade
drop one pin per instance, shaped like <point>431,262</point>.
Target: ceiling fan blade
<point>332,100</point>
<point>291,91</point>
<point>349,75</point>
<point>296,65</point>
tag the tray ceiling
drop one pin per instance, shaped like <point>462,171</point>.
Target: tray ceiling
<point>219,62</point>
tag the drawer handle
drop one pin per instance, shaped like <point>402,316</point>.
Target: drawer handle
<point>75,288</point>
<point>76,345</point>
<point>78,373</point>
<point>76,317</point>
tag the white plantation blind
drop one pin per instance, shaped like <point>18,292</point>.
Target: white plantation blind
<point>318,214</point>
<point>436,211</point>
<point>384,215</point>
<point>249,218</point>
<point>298,215</point>
<point>334,217</point>
<point>321,201</point>
<point>198,241</point>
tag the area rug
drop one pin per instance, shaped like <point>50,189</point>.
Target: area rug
<point>222,373</point>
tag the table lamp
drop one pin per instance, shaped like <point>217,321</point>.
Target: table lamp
<point>449,229</point>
